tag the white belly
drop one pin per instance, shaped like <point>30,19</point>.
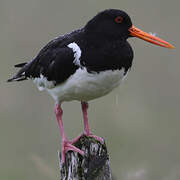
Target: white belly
<point>84,86</point>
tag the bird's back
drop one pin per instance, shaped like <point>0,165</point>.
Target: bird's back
<point>55,50</point>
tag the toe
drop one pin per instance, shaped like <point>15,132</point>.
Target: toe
<point>100,139</point>
<point>76,139</point>
<point>67,146</point>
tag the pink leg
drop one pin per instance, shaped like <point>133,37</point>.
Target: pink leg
<point>66,145</point>
<point>87,130</point>
<point>84,106</point>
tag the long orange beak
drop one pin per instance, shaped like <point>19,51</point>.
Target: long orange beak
<point>134,31</point>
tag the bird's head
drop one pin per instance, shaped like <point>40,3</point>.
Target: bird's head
<point>116,24</point>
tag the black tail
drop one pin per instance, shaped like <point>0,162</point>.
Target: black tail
<point>20,65</point>
<point>20,76</point>
<point>14,78</point>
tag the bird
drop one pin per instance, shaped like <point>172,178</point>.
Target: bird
<point>86,64</point>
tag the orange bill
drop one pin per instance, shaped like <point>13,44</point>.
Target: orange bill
<point>134,31</point>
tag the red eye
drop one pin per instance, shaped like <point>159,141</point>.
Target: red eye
<point>119,19</point>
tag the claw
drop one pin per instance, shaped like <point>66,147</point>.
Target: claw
<point>67,146</point>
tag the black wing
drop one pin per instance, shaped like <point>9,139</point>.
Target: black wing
<point>54,61</point>
<point>56,65</point>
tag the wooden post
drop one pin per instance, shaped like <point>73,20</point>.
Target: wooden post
<point>95,165</point>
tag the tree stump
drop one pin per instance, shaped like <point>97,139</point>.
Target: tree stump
<point>94,165</point>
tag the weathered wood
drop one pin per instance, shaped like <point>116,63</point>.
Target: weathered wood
<point>95,165</point>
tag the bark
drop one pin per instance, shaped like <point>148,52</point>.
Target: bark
<point>94,165</point>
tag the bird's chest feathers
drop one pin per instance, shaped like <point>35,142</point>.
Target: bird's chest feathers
<point>112,56</point>
<point>102,81</point>
<point>87,86</point>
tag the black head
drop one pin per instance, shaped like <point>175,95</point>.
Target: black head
<point>114,24</point>
<point>111,23</point>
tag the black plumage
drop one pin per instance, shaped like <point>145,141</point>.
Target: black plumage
<point>103,44</point>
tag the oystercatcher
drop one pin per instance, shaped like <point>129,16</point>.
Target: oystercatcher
<point>85,64</point>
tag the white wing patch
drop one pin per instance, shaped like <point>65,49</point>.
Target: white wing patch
<point>77,53</point>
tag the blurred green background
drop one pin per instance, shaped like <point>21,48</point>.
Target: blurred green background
<point>139,120</point>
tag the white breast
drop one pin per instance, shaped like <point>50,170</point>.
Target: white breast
<point>84,86</point>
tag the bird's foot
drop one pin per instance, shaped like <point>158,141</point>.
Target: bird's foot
<point>100,139</point>
<point>67,146</point>
<point>73,141</point>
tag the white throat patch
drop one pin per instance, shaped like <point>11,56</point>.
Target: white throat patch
<point>77,53</point>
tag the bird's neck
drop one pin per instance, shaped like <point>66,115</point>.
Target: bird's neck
<point>98,39</point>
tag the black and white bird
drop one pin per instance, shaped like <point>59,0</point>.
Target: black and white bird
<point>85,64</point>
